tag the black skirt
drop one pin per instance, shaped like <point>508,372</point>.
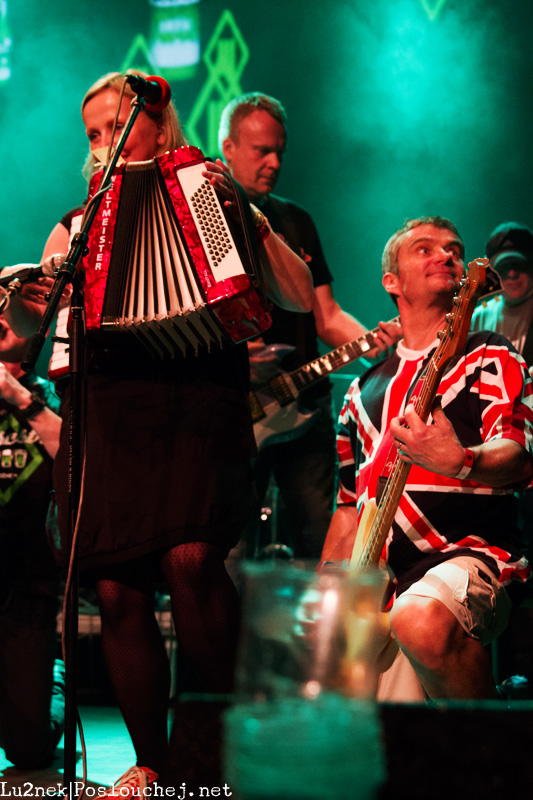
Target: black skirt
<point>167,459</point>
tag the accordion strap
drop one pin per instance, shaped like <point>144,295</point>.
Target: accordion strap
<point>250,240</point>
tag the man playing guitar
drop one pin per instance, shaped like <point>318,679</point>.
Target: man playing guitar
<point>252,137</point>
<point>453,549</point>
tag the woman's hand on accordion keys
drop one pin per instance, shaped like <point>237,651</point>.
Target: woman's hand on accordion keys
<point>288,280</point>
<point>219,176</point>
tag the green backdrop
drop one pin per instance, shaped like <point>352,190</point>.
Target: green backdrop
<point>396,108</point>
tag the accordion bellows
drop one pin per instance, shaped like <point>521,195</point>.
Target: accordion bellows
<point>167,263</point>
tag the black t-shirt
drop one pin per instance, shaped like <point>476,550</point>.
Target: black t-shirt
<point>296,227</point>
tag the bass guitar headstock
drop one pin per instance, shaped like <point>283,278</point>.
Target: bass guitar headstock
<point>453,337</point>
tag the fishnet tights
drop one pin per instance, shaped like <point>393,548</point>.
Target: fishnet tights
<point>205,609</point>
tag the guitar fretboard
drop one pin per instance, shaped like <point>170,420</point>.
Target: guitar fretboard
<point>324,365</point>
<point>286,387</point>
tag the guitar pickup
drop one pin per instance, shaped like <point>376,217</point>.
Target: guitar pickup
<point>283,389</point>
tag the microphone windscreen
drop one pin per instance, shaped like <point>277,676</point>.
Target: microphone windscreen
<point>165,94</point>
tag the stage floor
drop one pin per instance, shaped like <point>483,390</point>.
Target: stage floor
<point>449,749</point>
<point>109,755</point>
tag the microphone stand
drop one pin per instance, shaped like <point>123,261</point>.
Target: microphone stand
<point>76,425</point>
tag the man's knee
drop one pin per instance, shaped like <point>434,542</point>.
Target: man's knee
<point>424,628</point>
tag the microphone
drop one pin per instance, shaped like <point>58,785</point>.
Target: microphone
<point>154,89</point>
<point>28,273</point>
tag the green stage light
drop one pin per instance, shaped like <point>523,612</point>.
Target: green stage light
<point>433,7</point>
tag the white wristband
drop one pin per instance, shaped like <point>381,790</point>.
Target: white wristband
<point>468,463</point>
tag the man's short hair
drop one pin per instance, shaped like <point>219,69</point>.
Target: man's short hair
<point>243,105</point>
<point>389,259</point>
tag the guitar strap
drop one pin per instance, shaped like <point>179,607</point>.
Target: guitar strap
<point>250,242</point>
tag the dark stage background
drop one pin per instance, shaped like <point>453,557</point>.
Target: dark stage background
<point>396,108</point>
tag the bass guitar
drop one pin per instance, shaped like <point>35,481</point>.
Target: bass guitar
<point>276,412</point>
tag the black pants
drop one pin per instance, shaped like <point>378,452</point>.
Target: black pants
<point>304,470</point>
<point>31,715</point>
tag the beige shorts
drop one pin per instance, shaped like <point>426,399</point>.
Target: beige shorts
<point>467,587</point>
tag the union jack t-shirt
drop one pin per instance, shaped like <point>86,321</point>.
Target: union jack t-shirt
<point>487,394</point>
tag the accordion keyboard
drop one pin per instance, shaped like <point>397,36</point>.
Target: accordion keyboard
<point>210,222</point>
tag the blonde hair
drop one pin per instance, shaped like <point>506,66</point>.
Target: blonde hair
<point>167,118</point>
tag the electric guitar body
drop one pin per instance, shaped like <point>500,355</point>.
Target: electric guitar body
<point>276,411</point>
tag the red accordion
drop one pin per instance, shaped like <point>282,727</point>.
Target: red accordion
<point>167,262</point>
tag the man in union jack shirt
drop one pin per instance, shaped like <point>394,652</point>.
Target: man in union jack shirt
<point>454,549</point>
